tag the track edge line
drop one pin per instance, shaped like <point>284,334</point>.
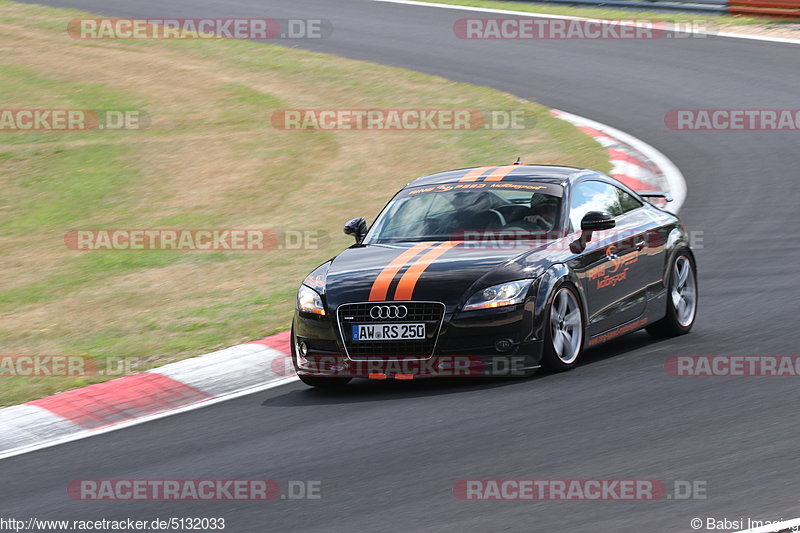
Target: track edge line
<point>675,28</point>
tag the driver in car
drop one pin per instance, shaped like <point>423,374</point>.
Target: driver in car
<point>543,213</point>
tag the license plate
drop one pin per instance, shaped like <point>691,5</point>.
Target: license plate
<point>388,332</point>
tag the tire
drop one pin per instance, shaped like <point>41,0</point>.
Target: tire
<point>564,330</point>
<point>315,381</point>
<point>681,299</point>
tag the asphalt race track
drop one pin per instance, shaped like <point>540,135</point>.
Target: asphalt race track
<point>388,454</point>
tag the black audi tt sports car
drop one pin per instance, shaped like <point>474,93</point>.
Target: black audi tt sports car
<point>494,271</point>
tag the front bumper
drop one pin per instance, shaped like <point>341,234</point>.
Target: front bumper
<point>492,342</point>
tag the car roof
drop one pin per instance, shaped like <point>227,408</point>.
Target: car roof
<point>546,173</point>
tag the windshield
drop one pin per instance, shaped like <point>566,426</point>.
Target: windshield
<point>445,212</point>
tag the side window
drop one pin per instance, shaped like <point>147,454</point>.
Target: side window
<point>626,201</point>
<point>599,196</point>
<point>592,196</point>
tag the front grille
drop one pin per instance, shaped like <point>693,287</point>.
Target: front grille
<point>430,313</point>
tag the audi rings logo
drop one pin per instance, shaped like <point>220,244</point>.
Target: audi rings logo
<point>388,311</point>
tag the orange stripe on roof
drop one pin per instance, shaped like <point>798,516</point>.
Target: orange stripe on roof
<point>475,173</point>
<point>405,288</point>
<point>501,173</point>
<point>380,287</point>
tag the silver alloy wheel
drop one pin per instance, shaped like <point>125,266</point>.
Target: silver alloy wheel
<point>683,291</point>
<point>566,326</point>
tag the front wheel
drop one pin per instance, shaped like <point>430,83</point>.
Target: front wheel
<point>681,299</point>
<point>563,339</point>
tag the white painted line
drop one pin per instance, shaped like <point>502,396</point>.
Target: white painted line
<point>765,38</point>
<point>788,525</point>
<point>674,176</point>
<point>85,434</point>
<point>676,28</point>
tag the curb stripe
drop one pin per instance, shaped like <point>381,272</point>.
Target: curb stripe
<point>121,399</point>
<point>615,154</point>
<point>138,398</point>
<point>665,175</point>
<point>380,287</point>
<point>279,341</point>
<point>597,134</point>
<point>51,436</point>
<point>405,288</point>
<point>633,183</point>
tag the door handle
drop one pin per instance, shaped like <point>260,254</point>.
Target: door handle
<point>640,245</point>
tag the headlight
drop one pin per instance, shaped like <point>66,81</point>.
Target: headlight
<point>309,301</point>
<point>509,293</point>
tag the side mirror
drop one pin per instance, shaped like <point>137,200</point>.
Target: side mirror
<point>597,221</point>
<point>592,221</point>
<point>356,227</point>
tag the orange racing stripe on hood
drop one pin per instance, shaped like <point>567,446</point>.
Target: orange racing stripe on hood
<point>380,287</point>
<point>405,287</point>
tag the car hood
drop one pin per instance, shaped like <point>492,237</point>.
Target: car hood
<point>450,274</point>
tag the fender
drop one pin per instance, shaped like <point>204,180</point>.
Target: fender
<point>678,240</point>
<point>545,293</point>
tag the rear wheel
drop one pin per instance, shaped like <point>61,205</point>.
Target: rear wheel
<point>563,331</point>
<point>681,299</point>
